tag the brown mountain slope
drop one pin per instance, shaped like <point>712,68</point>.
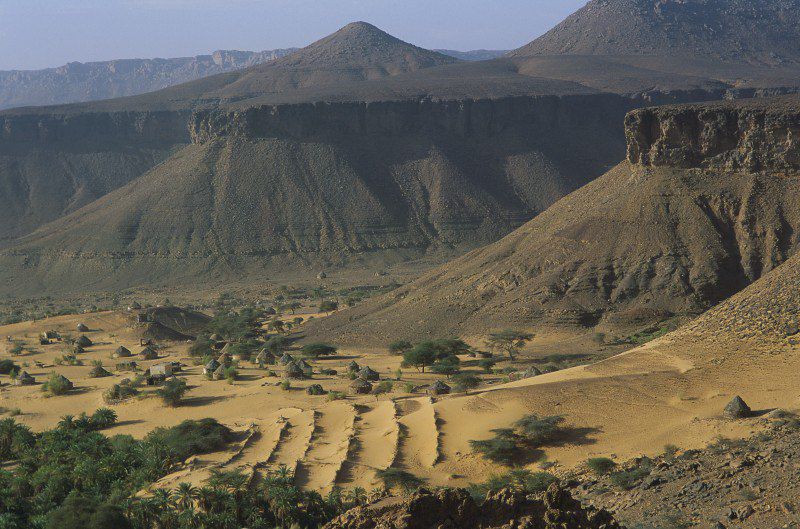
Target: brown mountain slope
<point>707,204</point>
<point>278,191</point>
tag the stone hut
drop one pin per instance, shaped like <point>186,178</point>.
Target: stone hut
<point>148,354</point>
<point>266,358</point>
<point>361,387</point>
<point>367,373</point>
<point>439,388</point>
<point>308,371</point>
<point>294,371</point>
<point>121,352</point>
<point>353,367</point>
<point>210,367</point>
<point>67,382</point>
<point>219,373</point>
<point>82,327</point>
<point>224,359</point>
<point>286,359</point>
<point>24,379</point>
<point>162,369</point>
<point>83,341</point>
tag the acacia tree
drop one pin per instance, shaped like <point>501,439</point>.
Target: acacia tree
<point>509,341</point>
<point>422,355</point>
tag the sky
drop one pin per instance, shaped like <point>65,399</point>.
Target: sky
<point>45,33</point>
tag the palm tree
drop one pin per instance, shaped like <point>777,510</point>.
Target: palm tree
<point>67,422</point>
<point>184,496</point>
<point>357,496</point>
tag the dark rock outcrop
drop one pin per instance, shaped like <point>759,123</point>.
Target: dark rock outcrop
<point>456,509</point>
<point>760,135</point>
<point>737,409</point>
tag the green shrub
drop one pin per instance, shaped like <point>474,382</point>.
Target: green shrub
<point>192,437</point>
<point>104,418</point>
<point>286,385</point>
<point>466,381</point>
<point>56,385</point>
<point>336,395</point>
<point>601,466</point>
<point>315,350</point>
<point>231,374</point>
<point>394,477</point>
<point>119,392</point>
<point>173,391</point>
<point>382,387</point>
<point>499,449</point>
<point>518,479</point>
<point>6,366</point>
<point>399,347</point>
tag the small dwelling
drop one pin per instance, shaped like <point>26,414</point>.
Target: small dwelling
<point>50,336</point>
<point>439,388</point>
<point>210,367</point>
<point>122,352</point>
<point>224,359</point>
<point>286,359</point>
<point>293,370</point>
<point>83,341</point>
<point>66,382</point>
<point>265,358</point>
<point>219,373</point>
<point>148,354</point>
<point>82,327</point>
<point>367,373</point>
<point>24,379</point>
<point>308,371</point>
<point>361,387</point>
<point>353,367</point>
<point>164,369</point>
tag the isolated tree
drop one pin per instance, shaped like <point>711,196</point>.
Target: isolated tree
<point>509,341</point>
<point>422,355</point>
<point>173,391</point>
<point>315,350</point>
<point>448,366</point>
<point>328,306</point>
<point>466,381</point>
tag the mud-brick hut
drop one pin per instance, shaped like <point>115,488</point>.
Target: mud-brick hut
<point>438,388</point>
<point>165,369</point>
<point>361,387</point>
<point>210,367</point>
<point>24,379</point>
<point>121,352</point>
<point>265,358</point>
<point>148,354</point>
<point>294,371</point>
<point>82,327</point>
<point>83,341</point>
<point>367,373</point>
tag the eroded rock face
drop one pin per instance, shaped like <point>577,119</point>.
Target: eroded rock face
<point>752,136</point>
<point>456,509</point>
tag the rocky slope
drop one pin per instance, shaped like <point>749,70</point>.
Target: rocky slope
<point>78,82</point>
<point>294,188</point>
<point>456,508</point>
<point>642,242</point>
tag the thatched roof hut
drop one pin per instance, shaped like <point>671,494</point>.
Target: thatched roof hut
<point>293,370</point>
<point>210,367</point>
<point>367,373</point>
<point>265,357</point>
<point>219,373</point>
<point>286,359</point>
<point>224,359</point>
<point>439,388</point>
<point>99,371</point>
<point>353,367</point>
<point>83,341</point>
<point>82,327</point>
<point>306,367</point>
<point>51,335</point>
<point>78,349</point>
<point>122,352</point>
<point>148,354</point>
<point>24,379</point>
<point>361,387</point>
<point>67,383</point>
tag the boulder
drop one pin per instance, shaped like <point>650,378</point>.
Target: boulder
<point>737,409</point>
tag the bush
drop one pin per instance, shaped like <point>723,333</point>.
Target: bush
<point>499,449</point>
<point>399,347</point>
<point>6,366</point>
<point>601,466</point>
<point>286,385</point>
<point>518,479</point>
<point>466,381</point>
<point>192,437</point>
<point>201,347</point>
<point>336,395</point>
<point>173,391</point>
<point>119,392</point>
<point>276,344</point>
<point>231,374</point>
<point>487,364</point>
<point>14,439</point>
<point>384,386</point>
<point>328,306</point>
<point>538,431</point>
<point>56,385</point>
<point>394,477</point>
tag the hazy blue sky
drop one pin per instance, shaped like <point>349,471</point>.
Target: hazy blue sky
<point>42,33</point>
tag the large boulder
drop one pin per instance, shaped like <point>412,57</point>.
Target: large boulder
<point>455,508</point>
<point>737,409</point>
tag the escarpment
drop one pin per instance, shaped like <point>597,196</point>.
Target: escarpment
<point>759,135</point>
<point>644,242</point>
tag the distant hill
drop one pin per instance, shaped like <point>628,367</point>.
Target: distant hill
<point>688,221</point>
<point>78,82</point>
